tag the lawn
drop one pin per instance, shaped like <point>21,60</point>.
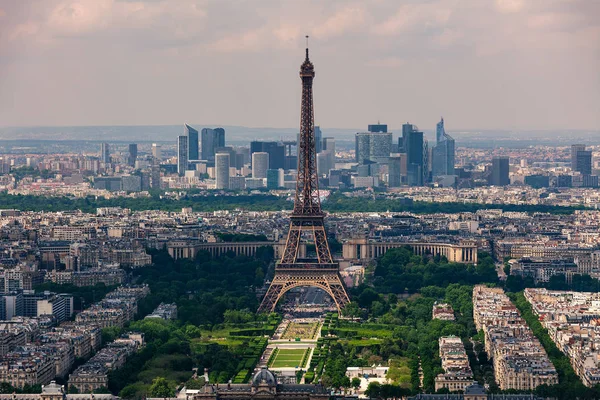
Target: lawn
<point>301,330</point>
<point>290,358</point>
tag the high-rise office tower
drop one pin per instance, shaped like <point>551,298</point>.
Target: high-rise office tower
<point>362,142</point>
<point>155,174</point>
<point>426,162</point>
<point>260,164</point>
<point>324,162</point>
<point>211,139</point>
<point>274,178</point>
<point>584,162</point>
<point>500,170</point>
<point>232,155</point>
<point>443,152</point>
<point>581,159</point>
<point>329,144</point>
<point>182,154</point>
<point>222,170</point>
<point>276,152</point>
<point>132,154</point>
<point>396,169</point>
<point>406,130</point>
<point>192,135</point>
<point>329,150</point>
<point>380,146</point>
<point>575,148</point>
<point>105,153</point>
<point>378,128</point>
<point>318,139</point>
<point>413,146</point>
<point>373,146</point>
<point>156,151</point>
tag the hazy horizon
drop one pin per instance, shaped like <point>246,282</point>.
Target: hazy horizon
<point>510,65</point>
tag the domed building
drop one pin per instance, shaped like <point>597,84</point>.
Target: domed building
<point>263,385</point>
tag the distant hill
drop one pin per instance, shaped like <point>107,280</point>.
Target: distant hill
<point>238,135</point>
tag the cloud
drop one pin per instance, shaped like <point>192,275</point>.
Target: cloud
<point>77,17</point>
<point>23,30</point>
<point>347,19</point>
<point>450,51</point>
<point>416,16</point>
<point>509,6</point>
<point>243,42</point>
<point>389,62</point>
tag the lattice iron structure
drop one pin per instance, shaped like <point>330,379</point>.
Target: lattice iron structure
<point>307,219</point>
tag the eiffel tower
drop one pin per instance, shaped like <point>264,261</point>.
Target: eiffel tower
<point>307,220</point>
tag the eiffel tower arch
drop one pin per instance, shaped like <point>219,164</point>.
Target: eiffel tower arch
<point>307,220</point>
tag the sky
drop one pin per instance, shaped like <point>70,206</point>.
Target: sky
<point>481,64</point>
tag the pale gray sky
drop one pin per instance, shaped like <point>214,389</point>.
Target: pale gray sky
<point>489,64</point>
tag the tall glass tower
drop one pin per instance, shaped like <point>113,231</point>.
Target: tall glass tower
<point>443,152</point>
<point>192,135</point>
<point>211,140</point>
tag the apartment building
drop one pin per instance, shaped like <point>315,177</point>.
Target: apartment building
<point>520,361</point>
<point>457,374</point>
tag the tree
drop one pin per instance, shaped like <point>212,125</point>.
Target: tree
<point>161,388</point>
<point>373,390</point>
<point>355,383</point>
<point>351,310</point>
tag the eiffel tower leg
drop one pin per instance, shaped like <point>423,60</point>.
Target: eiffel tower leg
<point>321,246</point>
<point>271,297</point>
<point>338,292</point>
<point>290,253</point>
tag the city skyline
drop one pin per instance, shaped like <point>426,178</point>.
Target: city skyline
<point>476,64</point>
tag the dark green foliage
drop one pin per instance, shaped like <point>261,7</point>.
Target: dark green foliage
<point>337,202</point>
<point>7,388</point>
<point>82,296</point>
<point>207,292</point>
<point>399,271</point>
<point>205,288</point>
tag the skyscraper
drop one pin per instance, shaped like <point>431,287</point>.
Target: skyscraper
<point>155,174</point>
<point>132,154</point>
<point>156,151</point>
<point>324,162</point>
<point>222,170</point>
<point>413,145</point>
<point>318,139</point>
<point>274,178</point>
<point>276,152</point>
<point>182,154</point>
<point>500,170</point>
<point>329,150</point>
<point>260,164</point>
<point>192,135</point>
<point>574,149</point>
<point>373,146</point>
<point>443,152</point>
<point>105,153</point>
<point>210,140</point>
<point>362,147</point>
<point>378,128</point>
<point>584,162</point>
<point>581,159</point>
<point>396,168</point>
